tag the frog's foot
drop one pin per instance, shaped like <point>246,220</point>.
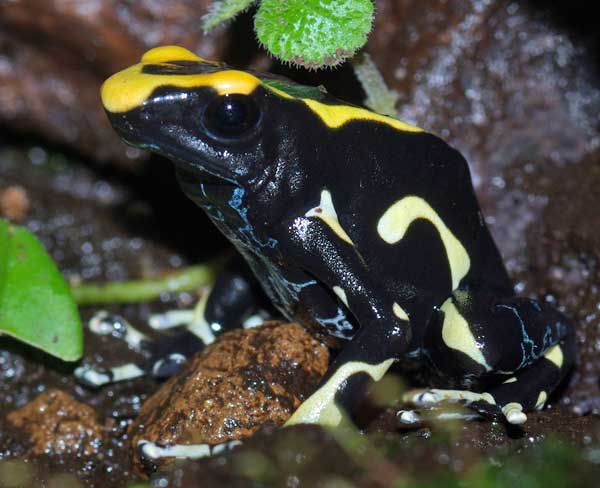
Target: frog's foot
<point>414,418</point>
<point>105,323</point>
<point>433,396</point>
<point>483,403</point>
<point>198,320</point>
<point>152,451</point>
<point>97,377</point>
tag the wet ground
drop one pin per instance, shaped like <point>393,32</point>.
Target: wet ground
<point>513,85</point>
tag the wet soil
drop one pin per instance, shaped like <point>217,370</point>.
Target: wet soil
<point>513,85</point>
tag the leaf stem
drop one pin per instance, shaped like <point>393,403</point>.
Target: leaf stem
<point>136,291</point>
<point>380,97</point>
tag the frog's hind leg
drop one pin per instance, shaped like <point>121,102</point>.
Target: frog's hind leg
<point>529,389</point>
<point>519,348</point>
<point>229,304</point>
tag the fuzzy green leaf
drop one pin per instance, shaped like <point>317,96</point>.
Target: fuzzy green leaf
<point>314,33</point>
<point>223,10</point>
<point>36,305</point>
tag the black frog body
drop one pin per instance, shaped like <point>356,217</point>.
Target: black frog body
<point>353,222</point>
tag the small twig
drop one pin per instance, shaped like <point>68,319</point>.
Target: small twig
<point>380,98</point>
<point>188,279</point>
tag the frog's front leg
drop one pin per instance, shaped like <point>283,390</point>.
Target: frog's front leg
<point>384,331</point>
<point>518,348</point>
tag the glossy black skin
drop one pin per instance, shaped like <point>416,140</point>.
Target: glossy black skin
<point>258,187</point>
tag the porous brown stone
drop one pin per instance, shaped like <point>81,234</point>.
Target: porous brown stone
<point>14,203</point>
<point>54,55</point>
<point>245,380</point>
<point>57,424</point>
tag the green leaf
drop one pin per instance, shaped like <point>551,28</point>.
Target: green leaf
<point>36,305</point>
<point>223,10</point>
<point>314,33</point>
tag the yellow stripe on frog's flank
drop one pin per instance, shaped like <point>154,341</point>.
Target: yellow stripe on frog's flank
<point>457,334</point>
<point>131,87</point>
<point>335,116</point>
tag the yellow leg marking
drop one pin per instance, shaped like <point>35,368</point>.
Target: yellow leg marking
<point>457,334</point>
<point>514,413</point>
<point>555,355</point>
<point>400,312</point>
<point>326,212</point>
<point>335,116</point>
<point>320,408</point>
<point>341,294</point>
<point>541,400</point>
<point>510,380</point>
<point>394,223</point>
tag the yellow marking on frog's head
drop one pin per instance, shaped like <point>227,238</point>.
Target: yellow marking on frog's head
<point>457,334</point>
<point>396,220</point>
<point>166,54</point>
<point>131,87</point>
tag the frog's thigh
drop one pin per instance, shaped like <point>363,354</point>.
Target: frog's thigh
<point>529,342</point>
<point>475,333</point>
<point>524,391</point>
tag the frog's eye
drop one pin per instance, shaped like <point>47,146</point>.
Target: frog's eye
<point>231,116</point>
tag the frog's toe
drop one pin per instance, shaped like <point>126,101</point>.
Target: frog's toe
<point>96,377</point>
<point>422,397</point>
<point>513,413</point>
<point>408,417</point>
<point>152,451</point>
<point>433,396</point>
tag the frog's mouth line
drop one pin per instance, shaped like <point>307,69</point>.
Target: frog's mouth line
<point>175,154</point>
<point>204,169</point>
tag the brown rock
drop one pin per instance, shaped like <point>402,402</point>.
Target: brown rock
<point>58,424</point>
<point>246,379</point>
<point>14,203</point>
<point>54,55</point>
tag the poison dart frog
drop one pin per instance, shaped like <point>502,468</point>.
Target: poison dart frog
<point>356,223</point>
